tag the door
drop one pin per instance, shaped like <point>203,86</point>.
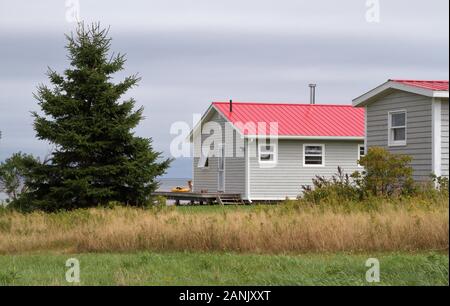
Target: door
<point>221,165</point>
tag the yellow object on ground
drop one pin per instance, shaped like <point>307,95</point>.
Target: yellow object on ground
<point>181,189</point>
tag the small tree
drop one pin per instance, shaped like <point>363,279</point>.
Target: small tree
<point>13,175</point>
<point>385,174</point>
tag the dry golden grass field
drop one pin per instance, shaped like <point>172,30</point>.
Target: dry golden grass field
<point>404,226</point>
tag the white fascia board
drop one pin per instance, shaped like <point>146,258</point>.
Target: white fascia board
<point>206,115</point>
<point>226,119</point>
<point>440,94</point>
<point>376,91</point>
<point>198,125</point>
<point>365,98</point>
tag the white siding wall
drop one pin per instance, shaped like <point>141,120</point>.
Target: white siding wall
<point>207,178</point>
<point>419,125</point>
<point>286,179</point>
<point>445,137</point>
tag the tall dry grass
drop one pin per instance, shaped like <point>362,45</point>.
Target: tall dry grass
<point>407,227</point>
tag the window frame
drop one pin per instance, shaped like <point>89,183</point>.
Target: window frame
<point>274,153</point>
<point>322,145</point>
<point>391,141</point>
<point>359,153</point>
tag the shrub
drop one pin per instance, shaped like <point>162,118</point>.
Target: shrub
<point>158,201</point>
<point>14,175</point>
<point>441,183</point>
<point>385,174</point>
<point>338,188</point>
<point>437,188</point>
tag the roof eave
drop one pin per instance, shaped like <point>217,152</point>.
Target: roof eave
<point>440,94</point>
<point>198,124</point>
<point>389,85</point>
<point>205,115</point>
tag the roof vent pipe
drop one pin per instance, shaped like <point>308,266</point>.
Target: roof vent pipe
<point>312,93</point>
<point>231,106</point>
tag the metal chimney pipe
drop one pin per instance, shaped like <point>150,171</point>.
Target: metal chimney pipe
<point>312,93</point>
<point>231,106</point>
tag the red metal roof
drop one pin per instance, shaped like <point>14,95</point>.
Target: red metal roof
<point>295,119</point>
<point>431,85</point>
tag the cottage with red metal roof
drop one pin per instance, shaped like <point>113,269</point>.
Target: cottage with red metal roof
<point>267,151</point>
<point>410,117</point>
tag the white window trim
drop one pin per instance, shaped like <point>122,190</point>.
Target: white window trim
<point>275,153</point>
<point>323,154</point>
<point>359,153</point>
<point>399,143</point>
<point>203,158</point>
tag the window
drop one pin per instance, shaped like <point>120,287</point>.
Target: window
<point>204,160</point>
<point>267,153</point>
<point>397,128</point>
<point>313,155</point>
<point>361,152</point>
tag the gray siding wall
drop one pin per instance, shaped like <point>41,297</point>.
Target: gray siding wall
<point>285,180</point>
<point>207,178</point>
<point>235,175</point>
<point>419,128</point>
<point>444,135</point>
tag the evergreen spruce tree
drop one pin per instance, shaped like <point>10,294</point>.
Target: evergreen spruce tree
<point>96,158</point>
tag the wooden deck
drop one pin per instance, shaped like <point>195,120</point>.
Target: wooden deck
<point>201,198</point>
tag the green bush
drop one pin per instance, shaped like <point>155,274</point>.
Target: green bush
<point>13,174</point>
<point>436,188</point>
<point>158,201</point>
<point>441,183</point>
<point>385,174</point>
<point>338,188</point>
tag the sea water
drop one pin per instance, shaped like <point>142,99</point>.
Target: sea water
<point>165,184</point>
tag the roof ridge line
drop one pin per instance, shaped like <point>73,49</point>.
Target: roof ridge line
<point>411,80</point>
<point>284,104</point>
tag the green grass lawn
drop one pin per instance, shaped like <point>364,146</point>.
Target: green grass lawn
<point>223,269</point>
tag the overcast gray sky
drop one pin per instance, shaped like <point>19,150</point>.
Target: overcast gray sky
<point>191,52</point>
